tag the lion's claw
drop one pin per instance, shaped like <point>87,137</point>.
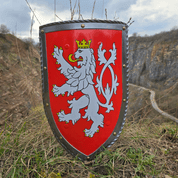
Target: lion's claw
<point>67,117</point>
<point>57,91</point>
<point>89,133</point>
<point>57,54</point>
<point>62,117</point>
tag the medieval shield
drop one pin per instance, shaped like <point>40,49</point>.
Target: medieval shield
<point>85,83</point>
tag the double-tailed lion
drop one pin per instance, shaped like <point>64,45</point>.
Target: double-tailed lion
<point>79,79</point>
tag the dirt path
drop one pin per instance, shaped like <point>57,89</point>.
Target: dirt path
<point>155,106</point>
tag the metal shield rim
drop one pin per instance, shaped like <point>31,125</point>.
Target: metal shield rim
<point>89,24</point>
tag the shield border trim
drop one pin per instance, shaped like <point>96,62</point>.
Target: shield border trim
<point>74,25</point>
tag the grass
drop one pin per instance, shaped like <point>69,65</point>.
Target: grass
<point>147,147</point>
<point>167,100</point>
<point>29,149</point>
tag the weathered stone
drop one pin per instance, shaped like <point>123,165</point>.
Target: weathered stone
<point>153,61</point>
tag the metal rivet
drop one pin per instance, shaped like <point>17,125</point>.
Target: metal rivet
<point>123,28</point>
<point>108,123</point>
<point>124,100</point>
<point>83,25</point>
<point>88,157</point>
<point>60,138</point>
<point>124,65</point>
<point>45,68</point>
<point>67,46</point>
<point>47,104</point>
<point>42,31</point>
<point>114,133</point>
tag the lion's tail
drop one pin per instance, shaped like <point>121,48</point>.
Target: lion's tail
<point>106,105</point>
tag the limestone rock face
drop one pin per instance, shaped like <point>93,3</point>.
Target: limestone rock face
<point>153,61</point>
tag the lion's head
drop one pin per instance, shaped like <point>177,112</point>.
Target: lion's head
<point>84,56</point>
<point>82,76</point>
<point>86,61</point>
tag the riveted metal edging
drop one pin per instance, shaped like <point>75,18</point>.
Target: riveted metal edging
<point>85,24</point>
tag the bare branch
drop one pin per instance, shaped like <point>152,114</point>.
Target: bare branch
<point>72,10</point>
<point>16,28</point>
<point>32,25</point>
<point>55,10</point>
<point>93,9</point>
<point>32,11</point>
<point>103,9</point>
<point>79,15</point>
<point>116,16</point>
<point>129,20</point>
<point>131,23</point>
<point>58,17</point>
<point>106,14</point>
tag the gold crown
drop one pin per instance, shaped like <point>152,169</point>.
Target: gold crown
<point>83,44</point>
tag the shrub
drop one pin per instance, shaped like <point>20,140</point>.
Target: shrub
<point>5,47</point>
<point>28,42</point>
<point>3,29</point>
<point>135,34</point>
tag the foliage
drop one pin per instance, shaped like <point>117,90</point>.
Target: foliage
<point>5,47</point>
<point>163,36</point>
<point>135,34</point>
<point>174,28</point>
<point>34,152</point>
<point>29,149</point>
<point>3,29</point>
<point>28,42</point>
<point>140,159</point>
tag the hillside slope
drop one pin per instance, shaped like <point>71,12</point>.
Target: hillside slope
<point>19,77</point>
<point>147,146</point>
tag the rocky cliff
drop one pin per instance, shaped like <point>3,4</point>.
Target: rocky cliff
<point>153,61</point>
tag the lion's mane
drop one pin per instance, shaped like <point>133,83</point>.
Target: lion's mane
<point>81,77</point>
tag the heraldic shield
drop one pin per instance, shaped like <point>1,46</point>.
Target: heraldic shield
<point>85,83</point>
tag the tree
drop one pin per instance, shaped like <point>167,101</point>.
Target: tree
<point>174,28</point>
<point>4,29</point>
<point>134,34</point>
<point>28,42</point>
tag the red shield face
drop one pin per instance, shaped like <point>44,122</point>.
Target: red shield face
<point>84,87</point>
